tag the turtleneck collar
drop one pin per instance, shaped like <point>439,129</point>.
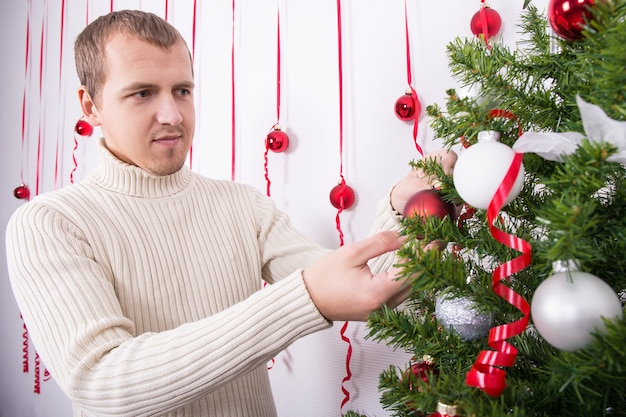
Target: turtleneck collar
<point>118,176</point>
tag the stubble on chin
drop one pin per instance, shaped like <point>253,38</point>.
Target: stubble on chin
<point>167,164</point>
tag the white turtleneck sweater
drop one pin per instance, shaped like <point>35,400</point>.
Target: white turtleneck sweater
<point>143,294</point>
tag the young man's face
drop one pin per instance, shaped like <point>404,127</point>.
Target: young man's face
<point>146,107</point>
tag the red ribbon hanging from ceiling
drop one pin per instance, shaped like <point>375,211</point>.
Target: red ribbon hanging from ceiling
<point>278,99</point>
<point>344,328</point>
<point>409,77</point>
<point>232,93</point>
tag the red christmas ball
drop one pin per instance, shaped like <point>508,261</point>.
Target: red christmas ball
<point>423,370</point>
<point>277,140</point>
<point>407,107</point>
<point>22,192</point>
<point>429,203</point>
<point>342,196</point>
<point>486,22</point>
<point>567,17</point>
<point>83,128</point>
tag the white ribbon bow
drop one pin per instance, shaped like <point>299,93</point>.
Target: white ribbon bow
<point>598,127</point>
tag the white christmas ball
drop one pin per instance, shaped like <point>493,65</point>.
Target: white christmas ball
<point>567,308</point>
<point>461,315</point>
<point>480,169</point>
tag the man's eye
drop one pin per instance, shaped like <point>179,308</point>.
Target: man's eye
<point>142,94</point>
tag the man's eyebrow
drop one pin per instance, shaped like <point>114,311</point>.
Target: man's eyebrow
<point>139,86</point>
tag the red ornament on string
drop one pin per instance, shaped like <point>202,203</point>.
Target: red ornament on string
<point>22,192</point>
<point>342,196</point>
<point>277,140</point>
<point>567,17</point>
<point>407,107</point>
<point>429,203</point>
<point>486,22</point>
<point>83,128</point>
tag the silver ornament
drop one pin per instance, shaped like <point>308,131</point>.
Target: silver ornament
<point>461,315</point>
<point>567,308</point>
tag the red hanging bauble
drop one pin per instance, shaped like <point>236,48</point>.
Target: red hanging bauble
<point>407,107</point>
<point>342,196</point>
<point>83,128</point>
<point>491,19</point>
<point>567,17</point>
<point>277,140</point>
<point>429,203</point>
<point>22,192</point>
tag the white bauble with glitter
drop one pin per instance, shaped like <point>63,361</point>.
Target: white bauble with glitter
<point>462,316</point>
<point>567,308</point>
<point>480,169</point>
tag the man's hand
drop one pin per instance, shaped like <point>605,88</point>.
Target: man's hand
<point>416,180</point>
<point>343,287</point>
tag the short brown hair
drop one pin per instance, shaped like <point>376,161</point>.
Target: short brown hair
<point>89,48</point>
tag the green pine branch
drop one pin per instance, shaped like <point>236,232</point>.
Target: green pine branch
<point>573,209</point>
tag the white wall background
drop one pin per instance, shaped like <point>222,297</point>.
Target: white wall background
<point>377,146</point>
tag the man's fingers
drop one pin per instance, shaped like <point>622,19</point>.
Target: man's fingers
<point>375,245</point>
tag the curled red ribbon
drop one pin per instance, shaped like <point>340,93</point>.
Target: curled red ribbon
<point>344,338</point>
<point>485,373</point>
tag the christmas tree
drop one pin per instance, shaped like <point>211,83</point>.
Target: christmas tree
<point>473,320</point>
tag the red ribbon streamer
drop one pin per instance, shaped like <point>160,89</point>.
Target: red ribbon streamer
<point>37,386</point>
<point>346,339</point>
<point>410,80</point>
<point>485,373</point>
<point>27,78</point>
<point>57,158</point>
<point>484,24</point>
<point>41,106</point>
<point>193,60</point>
<point>278,99</point>
<point>25,343</point>
<point>232,92</point>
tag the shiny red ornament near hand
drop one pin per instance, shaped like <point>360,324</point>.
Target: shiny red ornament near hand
<point>342,196</point>
<point>277,140</point>
<point>83,128</point>
<point>428,203</point>
<point>487,22</point>
<point>407,107</point>
<point>567,17</point>
<point>21,192</point>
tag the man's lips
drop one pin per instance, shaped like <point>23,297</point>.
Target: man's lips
<point>169,140</point>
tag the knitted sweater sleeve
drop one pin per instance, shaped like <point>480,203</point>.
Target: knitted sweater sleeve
<point>93,350</point>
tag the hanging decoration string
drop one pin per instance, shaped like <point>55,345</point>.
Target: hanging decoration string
<point>409,77</point>
<point>84,125</point>
<point>484,23</point>
<point>341,205</point>
<point>22,190</point>
<point>268,144</point>
<point>41,126</point>
<point>60,128</point>
<point>232,93</point>
<point>486,373</point>
<point>193,62</point>
<point>25,337</point>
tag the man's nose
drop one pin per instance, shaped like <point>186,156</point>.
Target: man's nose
<point>168,112</point>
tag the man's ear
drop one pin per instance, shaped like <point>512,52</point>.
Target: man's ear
<point>90,110</point>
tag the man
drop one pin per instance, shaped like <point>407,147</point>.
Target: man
<point>140,285</point>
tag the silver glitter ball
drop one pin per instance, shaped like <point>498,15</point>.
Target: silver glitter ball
<point>461,315</point>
